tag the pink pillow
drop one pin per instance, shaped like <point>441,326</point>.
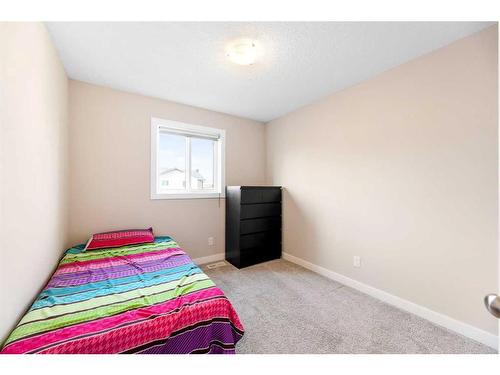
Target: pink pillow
<point>120,238</point>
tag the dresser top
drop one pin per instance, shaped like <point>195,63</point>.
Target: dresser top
<point>253,187</point>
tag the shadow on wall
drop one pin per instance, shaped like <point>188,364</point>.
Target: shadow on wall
<point>298,227</point>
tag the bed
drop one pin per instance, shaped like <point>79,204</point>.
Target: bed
<point>149,298</point>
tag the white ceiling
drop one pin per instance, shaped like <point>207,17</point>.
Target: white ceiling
<point>298,63</point>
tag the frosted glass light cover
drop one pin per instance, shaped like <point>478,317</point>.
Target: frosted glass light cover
<point>242,52</point>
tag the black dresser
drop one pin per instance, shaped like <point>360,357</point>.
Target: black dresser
<point>253,224</point>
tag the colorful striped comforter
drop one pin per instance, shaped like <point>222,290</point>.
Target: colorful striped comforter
<point>148,298</point>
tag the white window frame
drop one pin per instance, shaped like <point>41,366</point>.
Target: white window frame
<point>158,124</point>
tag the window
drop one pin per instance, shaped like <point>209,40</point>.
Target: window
<point>187,161</point>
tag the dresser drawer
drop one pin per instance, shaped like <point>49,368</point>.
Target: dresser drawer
<point>260,225</point>
<point>259,254</point>
<point>260,195</point>
<point>251,211</point>
<point>262,239</point>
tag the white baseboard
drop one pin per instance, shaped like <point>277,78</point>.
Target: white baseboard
<point>462,328</point>
<point>209,258</point>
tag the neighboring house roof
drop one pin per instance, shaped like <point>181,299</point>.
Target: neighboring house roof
<point>196,173</point>
<point>169,170</point>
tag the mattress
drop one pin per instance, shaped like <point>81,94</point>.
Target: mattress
<point>148,298</point>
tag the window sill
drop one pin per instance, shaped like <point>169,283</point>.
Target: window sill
<point>155,196</point>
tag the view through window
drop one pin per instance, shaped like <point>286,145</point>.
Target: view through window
<point>188,159</point>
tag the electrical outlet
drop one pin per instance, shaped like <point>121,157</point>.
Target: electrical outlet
<point>356,261</point>
<point>211,241</point>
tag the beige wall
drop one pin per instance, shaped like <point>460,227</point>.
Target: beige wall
<point>110,167</point>
<point>33,165</point>
<point>402,171</point>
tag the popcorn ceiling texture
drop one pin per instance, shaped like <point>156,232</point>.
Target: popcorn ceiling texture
<point>298,62</point>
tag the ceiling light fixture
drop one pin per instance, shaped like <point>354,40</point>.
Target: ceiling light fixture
<point>242,52</point>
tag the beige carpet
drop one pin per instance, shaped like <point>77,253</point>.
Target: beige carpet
<point>288,309</point>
